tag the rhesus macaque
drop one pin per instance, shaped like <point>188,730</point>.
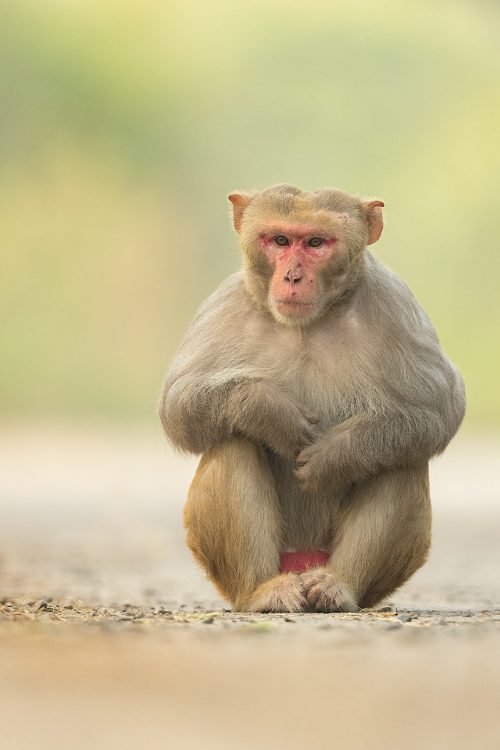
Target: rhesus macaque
<point>314,387</point>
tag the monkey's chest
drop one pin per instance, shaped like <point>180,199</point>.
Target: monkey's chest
<point>324,377</point>
<point>320,387</point>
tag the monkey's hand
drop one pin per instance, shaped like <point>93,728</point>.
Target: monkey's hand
<point>315,467</point>
<point>271,418</point>
<point>312,467</point>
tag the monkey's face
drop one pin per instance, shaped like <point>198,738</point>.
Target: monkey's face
<point>296,254</point>
<point>302,251</point>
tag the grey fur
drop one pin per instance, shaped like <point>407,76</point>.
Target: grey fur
<point>361,391</point>
<point>386,376</point>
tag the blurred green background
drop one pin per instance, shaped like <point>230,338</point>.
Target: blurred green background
<point>124,125</point>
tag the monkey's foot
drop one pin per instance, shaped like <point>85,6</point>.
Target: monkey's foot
<point>284,593</point>
<point>325,594</point>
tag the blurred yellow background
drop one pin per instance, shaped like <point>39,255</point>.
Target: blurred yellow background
<point>125,125</point>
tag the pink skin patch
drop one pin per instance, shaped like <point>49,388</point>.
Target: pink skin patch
<point>298,562</point>
<point>295,264</point>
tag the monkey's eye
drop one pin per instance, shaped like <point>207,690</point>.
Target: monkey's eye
<point>281,240</point>
<point>315,242</point>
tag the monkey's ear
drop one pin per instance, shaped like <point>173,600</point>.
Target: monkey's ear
<point>374,219</point>
<point>240,202</point>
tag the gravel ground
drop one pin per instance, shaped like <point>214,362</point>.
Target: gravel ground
<point>110,637</point>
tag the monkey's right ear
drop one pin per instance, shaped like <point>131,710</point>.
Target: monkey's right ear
<point>240,202</point>
<point>375,220</point>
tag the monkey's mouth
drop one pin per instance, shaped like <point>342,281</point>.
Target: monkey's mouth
<point>294,309</point>
<point>293,302</point>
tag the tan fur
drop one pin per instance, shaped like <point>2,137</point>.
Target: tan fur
<point>325,593</point>
<point>283,593</point>
<point>232,517</point>
<point>316,433</point>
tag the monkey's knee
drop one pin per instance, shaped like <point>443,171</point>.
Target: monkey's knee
<point>210,506</point>
<point>232,518</point>
<point>396,572</point>
<point>408,536</point>
<point>384,534</point>
<point>227,461</point>
<point>223,476</point>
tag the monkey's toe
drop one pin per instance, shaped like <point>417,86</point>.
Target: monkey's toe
<point>284,593</point>
<point>325,594</point>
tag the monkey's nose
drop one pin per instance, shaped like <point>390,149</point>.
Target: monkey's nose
<point>293,275</point>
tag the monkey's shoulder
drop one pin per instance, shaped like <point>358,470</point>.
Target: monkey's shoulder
<point>230,297</point>
<point>390,310</point>
<point>407,346</point>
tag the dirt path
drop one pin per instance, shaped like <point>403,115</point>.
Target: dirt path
<point>110,637</point>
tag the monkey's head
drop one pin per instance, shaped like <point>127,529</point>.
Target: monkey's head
<point>303,251</point>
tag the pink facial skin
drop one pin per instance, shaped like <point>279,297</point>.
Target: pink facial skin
<point>296,265</point>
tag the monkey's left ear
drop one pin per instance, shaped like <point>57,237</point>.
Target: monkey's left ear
<point>374,219</point>
<point>240,202</point>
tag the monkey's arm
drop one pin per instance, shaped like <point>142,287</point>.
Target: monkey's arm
<point>212,393</point>
<point>197,415</point>
<point>408,435</point>
<point>415,404</point>
<point>404,434</point>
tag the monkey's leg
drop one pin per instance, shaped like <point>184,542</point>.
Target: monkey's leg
<point>234,524</point>
<point>382,537</point>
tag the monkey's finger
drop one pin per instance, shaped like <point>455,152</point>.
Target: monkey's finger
<point>308,579</point>
<point>306,482</point>
<point>313,595</point>
<point>302,477</point>
<point>301,462</point>
<point>308,435</point>
<point>307,451</point>
<point>312,418</point>
<point>304,455</point>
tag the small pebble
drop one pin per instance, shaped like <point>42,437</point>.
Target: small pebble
<point>405,618</point>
